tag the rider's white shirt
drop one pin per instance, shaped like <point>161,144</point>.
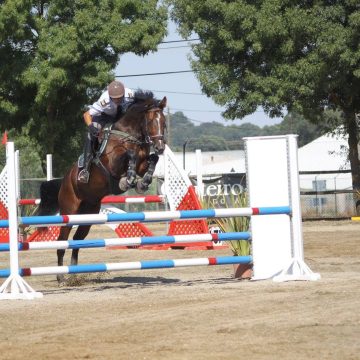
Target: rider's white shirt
<point>105,105</point>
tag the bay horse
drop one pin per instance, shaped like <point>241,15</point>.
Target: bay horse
<point>123,156</point>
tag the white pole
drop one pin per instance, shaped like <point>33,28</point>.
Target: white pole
<point>297,268</point>
<point>13,222</point>
<point>14,287</point>
<point>17,173</point>
<point>199,174</point>
<point>49,167</point>
<point>294,192</point>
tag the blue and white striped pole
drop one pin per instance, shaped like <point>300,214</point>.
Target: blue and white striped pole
<point>135,265</point>
<point>134,241</point>
<point>97,219</point>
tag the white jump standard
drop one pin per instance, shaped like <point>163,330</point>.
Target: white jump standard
<point>273,179</point>
<point>14,287</point>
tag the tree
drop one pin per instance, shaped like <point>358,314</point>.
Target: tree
<point>56,57</point>
<point>207,143</point>
<point>181,130</point>
<point>300,55</point>
<point>294,123</point>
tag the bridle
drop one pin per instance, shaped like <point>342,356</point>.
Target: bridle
<point>154,112</point>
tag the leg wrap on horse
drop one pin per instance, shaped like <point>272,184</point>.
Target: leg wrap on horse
<point>143,185</point>
<point>129,181</point>
<point>131,172</point>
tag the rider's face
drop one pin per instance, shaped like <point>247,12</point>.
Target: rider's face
<point>117,101</point>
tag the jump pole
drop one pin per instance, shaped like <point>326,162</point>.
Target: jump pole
<point>14,287</point>
<point>146,216</point>
<point>133,241</point>
<point>273,178</point>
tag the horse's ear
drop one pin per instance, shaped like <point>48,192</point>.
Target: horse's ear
<point>163,102</point>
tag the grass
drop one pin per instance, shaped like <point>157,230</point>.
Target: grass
<point>236,224</point>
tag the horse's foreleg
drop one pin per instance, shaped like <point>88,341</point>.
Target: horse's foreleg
<point>129,181</point>
<point>143,185</point>
<point>80,234</point>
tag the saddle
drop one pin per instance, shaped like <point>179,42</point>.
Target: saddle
<point>99,148</point>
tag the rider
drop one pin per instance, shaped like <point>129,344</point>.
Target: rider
<point>111,105</point>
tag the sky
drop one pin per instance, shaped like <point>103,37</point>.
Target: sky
<point>182,90</point>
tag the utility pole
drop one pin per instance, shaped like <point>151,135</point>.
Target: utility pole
<point>168,127</point>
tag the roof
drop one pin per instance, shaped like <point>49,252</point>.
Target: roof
<point>328,152</point>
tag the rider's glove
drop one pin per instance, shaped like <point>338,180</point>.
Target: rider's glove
<point>94,131</point>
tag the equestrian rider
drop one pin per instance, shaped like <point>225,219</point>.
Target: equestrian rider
<point>111,105</point>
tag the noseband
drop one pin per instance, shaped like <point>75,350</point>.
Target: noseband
<point>150,139</point>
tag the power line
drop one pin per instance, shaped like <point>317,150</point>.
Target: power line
<point>158,73</point>
<point>176,41</point>
<point>189,110</point>
<point>174,47</point>
<point>177,92</point>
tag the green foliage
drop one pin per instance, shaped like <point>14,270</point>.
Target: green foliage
<point>300,55</point>
<point>235,224</point>
<point>216,136</point>
<point>30,162</point>
<point>57,56</point>
<point>273,53</point>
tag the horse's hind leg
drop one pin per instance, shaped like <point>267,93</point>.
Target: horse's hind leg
<point>83,230</point>
<point>80,234</point>
<point>143,185</point>
<point>64,235</point>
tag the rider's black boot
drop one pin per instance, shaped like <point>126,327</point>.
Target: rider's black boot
<point>84,173</point>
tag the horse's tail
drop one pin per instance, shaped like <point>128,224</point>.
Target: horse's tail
<point>49,191</point>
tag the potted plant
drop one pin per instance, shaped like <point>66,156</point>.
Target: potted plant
<point>236,224</point>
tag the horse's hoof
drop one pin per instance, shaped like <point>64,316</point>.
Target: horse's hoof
<point>123,184</point>
<point>141,188</point>
<point>60,280</point>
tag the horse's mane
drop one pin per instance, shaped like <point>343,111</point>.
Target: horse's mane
<point>143,96</point>
<point>143,100</point>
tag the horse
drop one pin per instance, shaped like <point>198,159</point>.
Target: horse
<point>124,157</point>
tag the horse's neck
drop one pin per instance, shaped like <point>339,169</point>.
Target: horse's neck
<point>129,124</point>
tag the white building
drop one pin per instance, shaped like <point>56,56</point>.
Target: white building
<point>326,153</point>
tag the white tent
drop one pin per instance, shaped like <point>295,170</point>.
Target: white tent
<point>326,153</point>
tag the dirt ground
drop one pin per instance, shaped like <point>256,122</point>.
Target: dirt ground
<point>191,313</point>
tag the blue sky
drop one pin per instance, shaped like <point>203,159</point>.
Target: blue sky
<point>182,90</point>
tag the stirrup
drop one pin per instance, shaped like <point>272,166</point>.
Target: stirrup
<point>83,176</point>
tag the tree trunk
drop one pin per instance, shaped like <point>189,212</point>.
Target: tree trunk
<point>352,128</point>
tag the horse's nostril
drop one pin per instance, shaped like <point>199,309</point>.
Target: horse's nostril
<point>160,150</point>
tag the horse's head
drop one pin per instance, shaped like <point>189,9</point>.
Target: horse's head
<point>145,120</point>
<point>155,125</point>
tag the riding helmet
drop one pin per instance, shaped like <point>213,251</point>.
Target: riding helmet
<point>116,89</point>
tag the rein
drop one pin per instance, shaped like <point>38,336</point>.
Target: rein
<point>149,139</point>
<point>125,137</point>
